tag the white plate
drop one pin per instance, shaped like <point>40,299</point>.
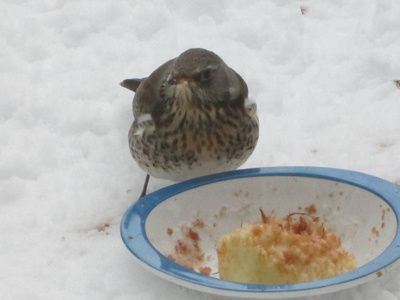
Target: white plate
<point>362,209</point>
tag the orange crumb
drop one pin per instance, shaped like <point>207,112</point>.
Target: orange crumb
<point>187,251</point>
<point>193,235</point>
<point>256,231</point>
<point>222,211</point>
<point>198,223</point>
<point>375,231</point>
<point>311,209</point>
<point>181,247</point>
<point>205,271</point>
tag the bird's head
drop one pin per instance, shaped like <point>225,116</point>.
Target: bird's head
<point>199,75</point>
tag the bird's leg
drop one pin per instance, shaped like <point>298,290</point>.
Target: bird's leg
<point>146,182</point>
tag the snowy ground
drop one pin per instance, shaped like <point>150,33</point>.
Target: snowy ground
<point>322,73</point>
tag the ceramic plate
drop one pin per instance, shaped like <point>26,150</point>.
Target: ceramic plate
<point>363,210</point>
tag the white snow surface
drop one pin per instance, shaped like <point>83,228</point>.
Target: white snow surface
<point>322,73</point>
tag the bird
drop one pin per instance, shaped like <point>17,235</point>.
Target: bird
<point>192,117</point>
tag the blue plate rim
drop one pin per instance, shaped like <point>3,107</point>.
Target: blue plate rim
<point>134,235</point>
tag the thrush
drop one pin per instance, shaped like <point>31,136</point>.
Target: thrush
<point>192,117</point>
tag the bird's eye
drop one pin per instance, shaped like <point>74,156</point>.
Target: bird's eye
<point>171,80</point>
<point>206,74</point>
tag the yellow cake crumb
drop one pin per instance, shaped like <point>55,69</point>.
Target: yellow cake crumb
<point>280,251</point>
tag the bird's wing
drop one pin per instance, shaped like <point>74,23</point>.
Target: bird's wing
<point>132,84</point>
<point>147,95</point>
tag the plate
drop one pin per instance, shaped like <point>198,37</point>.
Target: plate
<point>363,210</point>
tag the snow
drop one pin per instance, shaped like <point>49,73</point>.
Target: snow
<point>322,73</point>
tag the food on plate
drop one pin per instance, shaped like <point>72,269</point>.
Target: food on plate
<point>292,249</point>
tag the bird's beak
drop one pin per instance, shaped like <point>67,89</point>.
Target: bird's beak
<point>184,80</point>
